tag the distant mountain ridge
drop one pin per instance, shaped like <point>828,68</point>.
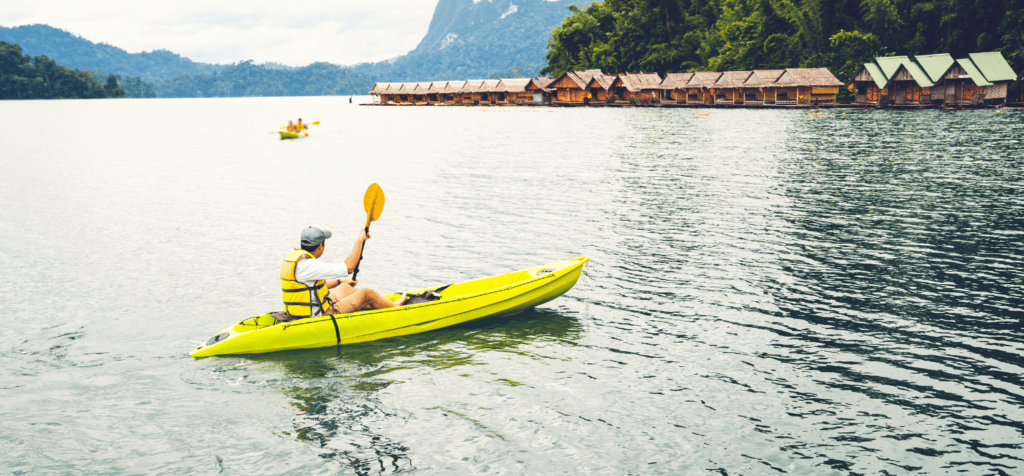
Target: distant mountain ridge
<point>76,52</point>
<point>466,39</point>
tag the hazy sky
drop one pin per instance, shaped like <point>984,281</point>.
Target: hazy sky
<point>338,31</point>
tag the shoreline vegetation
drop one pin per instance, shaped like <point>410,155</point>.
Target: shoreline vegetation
<point>25,77</point>
<point>675,36</point>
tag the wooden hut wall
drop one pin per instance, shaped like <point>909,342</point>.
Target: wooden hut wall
<point>532,89</point>
<point>567,90</point>
<point>596,93</point>
<point>867,89</point>
<point>785,94</point>
<point>823,94</point>
<point>646,95</point>
<point>618,91</point>
<point>905,88</point>
<point>959,87</point>
<point>752,94</point>
<point>996,90</point>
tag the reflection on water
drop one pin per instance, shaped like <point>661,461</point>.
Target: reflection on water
<point>334,391</point>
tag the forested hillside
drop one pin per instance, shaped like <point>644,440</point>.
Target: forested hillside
<point>25,77</point>
<point>719,35</point>
<point>248,79</point>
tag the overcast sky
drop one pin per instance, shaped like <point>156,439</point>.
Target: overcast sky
<point>337,31</point>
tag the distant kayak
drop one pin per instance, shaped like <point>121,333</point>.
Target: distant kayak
<point>293,135</point>
<point>460,302</point>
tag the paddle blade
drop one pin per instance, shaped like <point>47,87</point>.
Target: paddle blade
<point>373,202</point>
<point>316,123</point>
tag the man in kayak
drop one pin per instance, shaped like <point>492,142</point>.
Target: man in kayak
<point>291,126</point>
<point>312,287</point>
<point>299,126</point>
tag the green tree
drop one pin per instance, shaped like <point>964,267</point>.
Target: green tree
<point>718,35</point>
<point>22,77</point>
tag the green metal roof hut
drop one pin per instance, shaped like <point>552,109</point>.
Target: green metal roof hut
<point>869,85</point>
<point>909,84</point>
<point>997,71</point>
<point>938,79</point>
<point>935,66</point>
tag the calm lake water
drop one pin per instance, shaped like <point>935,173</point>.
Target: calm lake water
<point>770,291</point>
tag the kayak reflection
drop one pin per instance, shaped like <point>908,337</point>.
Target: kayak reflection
<point>336,392</point>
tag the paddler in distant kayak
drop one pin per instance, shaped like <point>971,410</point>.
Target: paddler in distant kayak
<point>299,126</point>
<point>291,126</point>
<point>313,288</point>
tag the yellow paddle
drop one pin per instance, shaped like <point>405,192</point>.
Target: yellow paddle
<point>315,123</point>
<point>373,203</point>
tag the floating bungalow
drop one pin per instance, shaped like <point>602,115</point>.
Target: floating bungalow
<point>698,88</point>
<point>813,86</point>
<point>571,86</point>
<point>894,81</point>
<point>515,90</point>
<point>674,86</point>
<point>729,87</point>
<point>599,89</point>
<point>933,81</point>
<point>538,86</point>
<point>758,87</point>
<point>642,88</point>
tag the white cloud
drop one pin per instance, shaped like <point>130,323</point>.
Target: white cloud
<point>339,31</point>
<point>511,9</point>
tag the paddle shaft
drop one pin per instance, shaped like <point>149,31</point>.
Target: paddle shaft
<point>361,248</point>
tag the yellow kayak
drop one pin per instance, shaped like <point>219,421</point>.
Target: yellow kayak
<point>293,135</point>
<point>460,302</point>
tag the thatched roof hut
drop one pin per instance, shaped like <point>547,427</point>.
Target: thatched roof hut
<point>540,83</point>
<point>732,79</point>
<point>810,77</point>
<point>675,80</point>
<point>703,80</point>
<point>760,78</point>
<point>601,81</point>
<point>379,88</point>
<point>513,85</point>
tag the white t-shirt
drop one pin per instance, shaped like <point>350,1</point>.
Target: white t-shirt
<point>309,271</point>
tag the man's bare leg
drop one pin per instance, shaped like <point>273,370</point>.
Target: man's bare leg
<point>342,291</point>
<point>365,297</point>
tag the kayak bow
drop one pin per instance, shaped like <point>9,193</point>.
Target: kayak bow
<point>460,302</point>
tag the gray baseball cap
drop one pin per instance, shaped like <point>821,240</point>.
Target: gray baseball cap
<point>314,236</point>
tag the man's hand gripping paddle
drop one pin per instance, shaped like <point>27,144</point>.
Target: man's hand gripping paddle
<point>373,203</point>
